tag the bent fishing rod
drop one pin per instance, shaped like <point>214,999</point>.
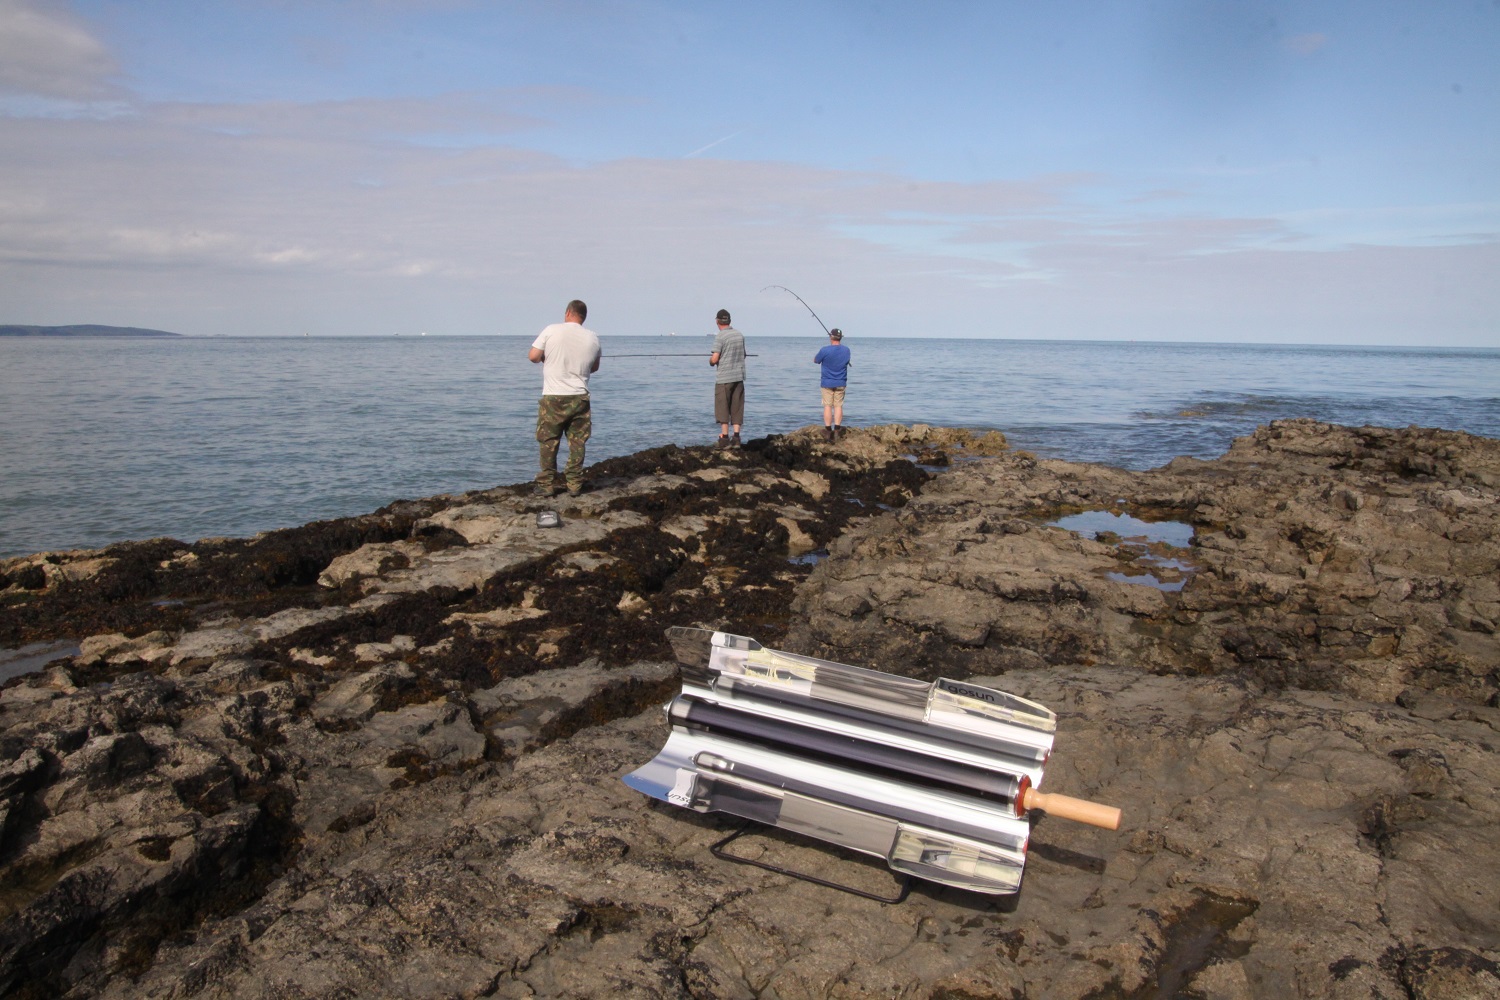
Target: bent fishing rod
<point>766,289</point>
<point>799,299</point>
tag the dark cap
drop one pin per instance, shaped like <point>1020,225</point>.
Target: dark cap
<point>836,333</point>
<point>723,317</point>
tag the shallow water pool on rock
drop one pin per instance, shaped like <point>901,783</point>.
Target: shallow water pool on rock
<point>1093,523</point>
<point>33,657</point>
<point>1150,543</point>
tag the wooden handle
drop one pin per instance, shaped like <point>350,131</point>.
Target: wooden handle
<point>1066,807</point>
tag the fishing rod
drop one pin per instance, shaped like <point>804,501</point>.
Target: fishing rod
<point>664,355</point>
<point>799,299</point>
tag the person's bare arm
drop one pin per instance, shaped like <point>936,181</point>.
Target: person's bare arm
<point>536,355</point>
<point>597,359</point>
<point>713,358</point>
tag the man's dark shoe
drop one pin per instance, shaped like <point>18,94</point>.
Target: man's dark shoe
<point>736,439</point>
<point>723,441</point>
<point>574,491</point>
<point>828,432</point>
<point>838,430</point>
<point>544,491</point>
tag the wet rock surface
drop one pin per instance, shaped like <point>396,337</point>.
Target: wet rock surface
<point>380,757</point>
<point>227,717</point>
<point>1357,560</point>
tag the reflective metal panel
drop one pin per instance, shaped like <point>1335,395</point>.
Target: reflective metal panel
<point>934,778</point>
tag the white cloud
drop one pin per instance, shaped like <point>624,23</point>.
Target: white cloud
<point>272,218</point>
<point>46,52</point>
<point>466,118</point>
<point>290,255</point>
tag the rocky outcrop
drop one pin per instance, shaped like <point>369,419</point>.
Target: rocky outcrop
<point>240,711</point>
<point>381,757</point>
<point>1298,845</point>
<point>1329,558</point>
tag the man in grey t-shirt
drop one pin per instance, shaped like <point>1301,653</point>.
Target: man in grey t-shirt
<point>729,385</point>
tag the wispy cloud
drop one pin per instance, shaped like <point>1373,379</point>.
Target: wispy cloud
<point>340,217</point>
<point>479,116</point>
<point>704,149</point>
<point>46,52</point>
<point>1304,45</point>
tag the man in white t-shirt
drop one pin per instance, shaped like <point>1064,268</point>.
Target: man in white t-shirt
<point>568,353</point>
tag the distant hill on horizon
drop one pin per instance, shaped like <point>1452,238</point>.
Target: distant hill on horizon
<point>82,330</point>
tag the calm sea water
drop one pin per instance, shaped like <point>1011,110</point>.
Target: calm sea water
<point>103,440</point>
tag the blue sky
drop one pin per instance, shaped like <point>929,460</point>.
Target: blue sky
<point>1310,172</point>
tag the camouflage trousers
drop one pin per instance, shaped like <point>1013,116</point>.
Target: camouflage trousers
<point>556,416</point>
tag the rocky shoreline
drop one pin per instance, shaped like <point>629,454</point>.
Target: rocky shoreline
<point>379,755</point>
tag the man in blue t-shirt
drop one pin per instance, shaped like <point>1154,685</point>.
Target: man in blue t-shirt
<point>835,361</point>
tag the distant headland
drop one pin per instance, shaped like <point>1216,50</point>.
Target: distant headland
<point>82,330</point>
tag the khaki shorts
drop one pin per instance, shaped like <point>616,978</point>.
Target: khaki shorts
<point>729,402</point>
<point>833,397</point>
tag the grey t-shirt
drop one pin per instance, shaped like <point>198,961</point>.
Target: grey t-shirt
<point>729,345</point>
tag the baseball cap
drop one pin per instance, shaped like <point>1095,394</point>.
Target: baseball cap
<point>836,333</point>
<point>723,316</point>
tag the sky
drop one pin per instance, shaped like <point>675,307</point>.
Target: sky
<point>1176,170</point>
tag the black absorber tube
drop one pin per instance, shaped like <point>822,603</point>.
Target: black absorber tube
<point>855,754</point>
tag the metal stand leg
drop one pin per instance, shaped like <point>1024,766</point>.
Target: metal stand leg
<point>718,851</point>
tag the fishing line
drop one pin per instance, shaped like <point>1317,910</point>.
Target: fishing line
<point>664,355</point>
<point>808,308</point>
<point>799,299</point>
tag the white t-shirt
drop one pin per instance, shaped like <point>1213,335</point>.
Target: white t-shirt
<point>569,352</point>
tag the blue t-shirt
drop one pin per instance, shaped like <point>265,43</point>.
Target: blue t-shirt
<point>835,361</point>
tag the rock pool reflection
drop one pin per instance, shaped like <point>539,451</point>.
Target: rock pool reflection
<point>1152,546</point>
<point>33,657</point>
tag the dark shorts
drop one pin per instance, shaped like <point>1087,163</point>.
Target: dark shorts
<point>729,402</point>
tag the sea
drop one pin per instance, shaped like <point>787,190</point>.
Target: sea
<point>111,439</point>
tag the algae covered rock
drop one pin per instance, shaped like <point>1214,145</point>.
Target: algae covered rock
<point>380,756</point>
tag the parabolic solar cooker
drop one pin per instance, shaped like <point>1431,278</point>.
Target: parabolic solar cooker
<point>935,778</point>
